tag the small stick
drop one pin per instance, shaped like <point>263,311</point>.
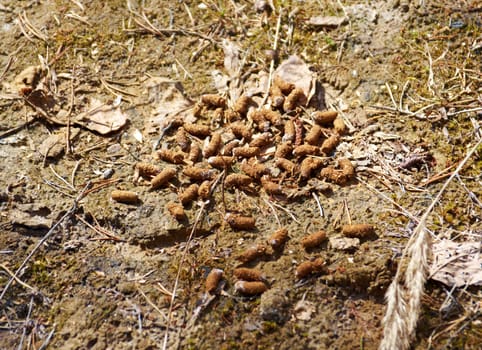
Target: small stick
<point>18,280</point>
<point>67,215</point>
<point>72,177</point>
<point>271,65</point>
<point>154,306</point>
<point>27,319</point>
<point>61,178</point>
<point>318,203</point>
<point>176,282</point>
<point>345,205</point>
<point>274,211</point>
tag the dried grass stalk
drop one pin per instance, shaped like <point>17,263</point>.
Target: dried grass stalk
<point>405,293</point>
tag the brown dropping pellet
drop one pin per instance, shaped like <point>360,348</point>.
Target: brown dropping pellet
<point>358,230</point>
<point>231,115</point>
<point>258,117</point>
<point>213,101</point>
<point>305,150</point>
<point>283,85</point>
<point>289,131</point>
<point>314,240</point>
<point>277,97</point>
<point>127,197</point>
<point>310,267</point>
<point>274,117</point>
<point>255,170</point>
<point>170,156</point>
<point>261,140</point>
<point>199,174</point>
<point>286,165</point>
<point>228,148</point>
<point>247,274</point>
<point>283,150</point>
<point>194,153</point>
<point>213,279</point>
<point>296,98</point>
<point>339,126</point>
<point>189,194</point>
<point>271,187</point>
<point>313,137</point>
<point>204,190</point>
<point>242,104</point>
<point>330,144</point>
<point>240,222</point>
<point>278,238</point>
<point>252,253</point>
<point>246,152</point>
<point>334,175</point>
<point>240,130</point>
<point>213,146</point>
<point>197,110</point>
<point>176,210</point>
<point>325,118</point>
<point>220,162</point>
<point>182,139</point>
<point>162,178</point>
<point>147,170</point>
<point>197,129</point>
<point>237,180</point>
<point>347,168</point>
<point>250,287</point>
<point>308,165</point>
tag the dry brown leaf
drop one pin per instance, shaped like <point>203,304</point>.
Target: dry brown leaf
<point>457,264</point>
<point>102,118</point>
<point>168,102</point>
<point>295,70</point>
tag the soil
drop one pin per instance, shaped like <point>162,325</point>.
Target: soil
<point>405,78</point>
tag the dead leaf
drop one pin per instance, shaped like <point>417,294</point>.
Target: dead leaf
<point>102,118</point>
<point>54,145</point>
<point>304,309</point>
<point>327,21</point>
<point>169,102</point>
<point>344,243</point>
<point>457,264</point>
<point>232,61</point>
<point>31,215</point>
<point>295,70</point>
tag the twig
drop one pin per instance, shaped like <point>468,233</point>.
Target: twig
<point>16,129</point>
<point>67,215</point>
<point>176,283</point>
<point>154,306</point>
<point>318,203</point>
<point>27,319</point>
<point>274,211</point>
<point>271,65</point>
<point>18,280</point>
<point>48,339</point>
<point>403,301</point>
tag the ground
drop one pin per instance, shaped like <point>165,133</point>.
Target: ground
<point>98,273</point>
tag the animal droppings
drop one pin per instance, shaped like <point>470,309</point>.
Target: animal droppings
<point>247,274</point>
<point>127,197</point>
<point>162,178</point>
<point>250,287</point>
<point>310,267</point>
<point>314,240</point>
<point>358,230</point>
<point>213,279</point>
<point>278,238</point>
<point>240,222</point>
